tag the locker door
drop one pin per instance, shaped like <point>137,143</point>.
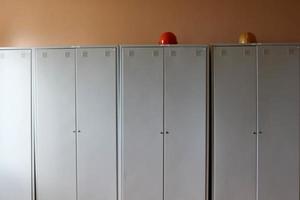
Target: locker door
<point>55,140</point>
<point>15,125</point>
<point>185,123</point>
<point>278,176</point>
<point>235,77</point>
<point>142,122</point>
<point>96,91</point>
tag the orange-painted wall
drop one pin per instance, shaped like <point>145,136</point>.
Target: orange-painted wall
<point>80,22</point>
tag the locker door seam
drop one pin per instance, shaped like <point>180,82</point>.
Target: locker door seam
<point>164,122</point>
<point>257,121</point>
<point>76,123</point>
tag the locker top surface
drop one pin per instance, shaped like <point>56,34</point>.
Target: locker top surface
<point>162,46</point>
<point>253,44</point>
<point>15,48</point>
<point>148,45</point>
<point>104,46</point>
<point>76,47</point>
<point>58,47</point>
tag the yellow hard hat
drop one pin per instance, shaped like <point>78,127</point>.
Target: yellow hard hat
<point>246,38</point>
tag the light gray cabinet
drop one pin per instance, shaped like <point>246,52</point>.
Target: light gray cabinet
<point>76,123</point>
<point>255,122</point>
<point>15,125</point>
<point>163,122</point>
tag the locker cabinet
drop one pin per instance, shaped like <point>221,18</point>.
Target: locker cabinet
<point>163,122</point>
<point>15,124</point>
<point>256,122</point>
<point>76,123</point>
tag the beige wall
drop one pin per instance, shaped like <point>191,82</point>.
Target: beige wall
<point>64,22</point>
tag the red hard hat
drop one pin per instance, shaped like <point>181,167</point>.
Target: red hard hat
<point>167,38</point>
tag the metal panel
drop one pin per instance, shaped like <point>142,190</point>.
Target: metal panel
<point>55,140</point>
<point>234,150</point>
<point>185,123</point>
<point>142,122</point>
<point>15,125</point>
<point>279,123</point>
<point>96,90</point>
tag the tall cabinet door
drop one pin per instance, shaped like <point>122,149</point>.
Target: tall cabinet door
<point>96,95</point>
<point>185,123</point>
<point>15,125</point>
<point>142,123</point>
<point>279,100</point>
<point>234,114</point>
<point>55,139</point>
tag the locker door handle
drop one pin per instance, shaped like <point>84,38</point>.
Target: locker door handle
<point>77,131</point>
<point>255,133</point>
<point>162,133</point>
<point>167,132</point>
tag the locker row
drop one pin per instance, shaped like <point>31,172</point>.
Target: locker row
<point>150,122</point>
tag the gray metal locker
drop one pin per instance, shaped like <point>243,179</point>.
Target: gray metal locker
<point>15,125</point>
<point>163,122</point>
<point>278,121</point>
<point>76,139</point>
<point>271,104</point>
<point>142,123</point>
<point>55,124</point>
<point>96,109</point>
<point>234,113</point>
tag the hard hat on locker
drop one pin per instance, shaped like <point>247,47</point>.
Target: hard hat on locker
<point>167,38</point>
<point>246,38</point>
